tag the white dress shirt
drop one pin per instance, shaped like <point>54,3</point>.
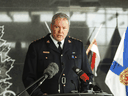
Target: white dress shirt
<point>56,42</point>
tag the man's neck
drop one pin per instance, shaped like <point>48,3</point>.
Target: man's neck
<point>55,41</point>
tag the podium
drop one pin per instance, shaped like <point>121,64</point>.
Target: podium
<point>82,94</point>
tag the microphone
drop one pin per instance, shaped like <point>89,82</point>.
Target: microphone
<point>85,78</point>
<point>81,74</point>
<point>49,72</point>
<point>96,88</point>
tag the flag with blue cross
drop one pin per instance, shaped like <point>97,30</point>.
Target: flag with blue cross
<point>117,76</point>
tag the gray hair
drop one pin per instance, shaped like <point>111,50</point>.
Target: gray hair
<point>59,15</point>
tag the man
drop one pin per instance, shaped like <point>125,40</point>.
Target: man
<point>44,51</point>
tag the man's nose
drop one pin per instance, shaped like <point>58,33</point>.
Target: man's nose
<point>61,30</point>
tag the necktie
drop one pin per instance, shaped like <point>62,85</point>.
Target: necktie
<point>59,48</point>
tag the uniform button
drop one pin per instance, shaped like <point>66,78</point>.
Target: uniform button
<point>63,74</point>
<point>61,54</point>
<point>64,85</point>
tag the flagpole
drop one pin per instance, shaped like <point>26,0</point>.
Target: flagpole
<point>91,33</point>
<point>47,27</point>
<point>98,31</point>
<point>93,40</point>
<point>116,19</point>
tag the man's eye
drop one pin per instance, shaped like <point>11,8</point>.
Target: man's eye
<point>64,28</point>
<point>57,27</point>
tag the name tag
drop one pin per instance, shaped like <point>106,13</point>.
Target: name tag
<point>46,52</point>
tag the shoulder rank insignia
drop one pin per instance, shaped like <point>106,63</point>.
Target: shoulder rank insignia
<point>34,41</point>
<point>79,40</point>
<point>48,41</point>
<point>69,41</point>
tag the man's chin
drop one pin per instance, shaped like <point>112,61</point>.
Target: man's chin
<point>59,39</point>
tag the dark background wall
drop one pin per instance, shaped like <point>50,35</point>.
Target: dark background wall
<point>24,22</point>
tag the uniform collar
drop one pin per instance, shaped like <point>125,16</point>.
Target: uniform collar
<point>66,44</point>
<point>56,42</point>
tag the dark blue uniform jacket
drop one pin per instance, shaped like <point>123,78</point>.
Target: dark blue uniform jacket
<point>42,52</point>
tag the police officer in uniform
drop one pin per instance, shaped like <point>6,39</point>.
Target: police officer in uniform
<point>45,50</point>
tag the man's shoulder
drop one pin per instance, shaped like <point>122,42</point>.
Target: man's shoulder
<point>38,43</point>
<point>40,40</point>
<point>74,40</point>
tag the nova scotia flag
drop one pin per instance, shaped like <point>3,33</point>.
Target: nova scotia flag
<point>117,76</point>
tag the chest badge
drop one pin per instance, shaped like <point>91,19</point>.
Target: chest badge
<point>69,41</point>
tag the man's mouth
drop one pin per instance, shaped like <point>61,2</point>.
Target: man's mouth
<point>59,35</point>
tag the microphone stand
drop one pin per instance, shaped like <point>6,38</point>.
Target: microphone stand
<point>60,77</point>
<point>43,77</point>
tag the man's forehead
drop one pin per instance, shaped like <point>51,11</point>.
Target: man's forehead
<point>58,20</point>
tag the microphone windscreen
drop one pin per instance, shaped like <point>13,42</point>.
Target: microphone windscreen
<point>51,70</point>
<point>78,71</point>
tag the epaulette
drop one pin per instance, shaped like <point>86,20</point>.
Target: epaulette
<point>75,38</point>
<point>37,39</point>
<point>79,40</point>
